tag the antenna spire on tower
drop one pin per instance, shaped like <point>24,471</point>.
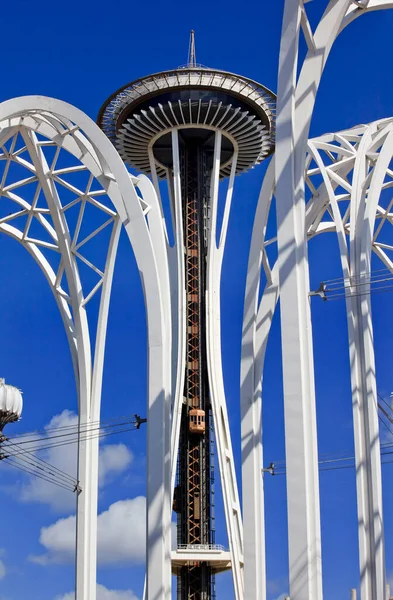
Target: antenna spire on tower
<point>191,50</point>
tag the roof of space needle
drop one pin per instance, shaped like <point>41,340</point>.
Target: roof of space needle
<point>191,96</point>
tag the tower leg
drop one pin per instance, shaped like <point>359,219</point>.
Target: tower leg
<point>216,382</point>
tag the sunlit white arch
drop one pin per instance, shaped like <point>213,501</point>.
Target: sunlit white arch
<point>295,103</point>
<point>39,119</point>
<point>345,174</point>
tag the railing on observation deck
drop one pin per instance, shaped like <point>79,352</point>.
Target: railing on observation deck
<point>203,547</point>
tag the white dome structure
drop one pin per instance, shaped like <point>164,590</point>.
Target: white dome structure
<point>11,404</point>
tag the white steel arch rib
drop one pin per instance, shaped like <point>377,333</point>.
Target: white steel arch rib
<point>214,363</point>
<point>372,154</point>
<point>251,407</point>
<point>70,130</point>
<point>353,208</point>
<point>295,103</point>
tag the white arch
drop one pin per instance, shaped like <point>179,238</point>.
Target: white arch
<point>73,131</point>
<point>366,151</point>
<point>295,104</point>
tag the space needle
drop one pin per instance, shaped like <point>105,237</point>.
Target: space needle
<point>194,126</point>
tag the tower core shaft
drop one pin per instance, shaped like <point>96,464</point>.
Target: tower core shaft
<point>193,492</point>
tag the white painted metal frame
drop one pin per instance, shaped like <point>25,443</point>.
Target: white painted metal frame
<point>295,103</point>
<point>253,350</point>
<point>355,166</point>
<point>46,122</point>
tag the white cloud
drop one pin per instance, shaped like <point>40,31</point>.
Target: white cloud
<point>104,594</point>
<point>274,587</point>
<point>121,535</point>
<point>3,569</point>
<point>114,460</point>
<point>122,532</point>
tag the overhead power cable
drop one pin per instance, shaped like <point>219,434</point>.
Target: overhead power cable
<point>14,463</point>
<point>21,454</point>
<point>76,432</point>
<point>275,471</point>
<point>378,281</point>
<point>37,462</point>
<point>374,273</point>
<point>334,461</point>
<point>73,440</point>
<point>76,426</point>
<point>380,290</point>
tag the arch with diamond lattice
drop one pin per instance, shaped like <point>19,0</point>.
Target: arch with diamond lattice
<point>348,177</point>
<point>64,194</point>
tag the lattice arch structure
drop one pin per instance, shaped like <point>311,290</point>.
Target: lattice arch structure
<point>348,176</point>
<point>299,76</point>
<point>64,194</point>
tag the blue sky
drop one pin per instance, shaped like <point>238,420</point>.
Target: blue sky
<point>81,52</point>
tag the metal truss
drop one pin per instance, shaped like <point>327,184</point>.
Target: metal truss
<point>295,103</point>
<point>345,178</point>
<point>64,193</point>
